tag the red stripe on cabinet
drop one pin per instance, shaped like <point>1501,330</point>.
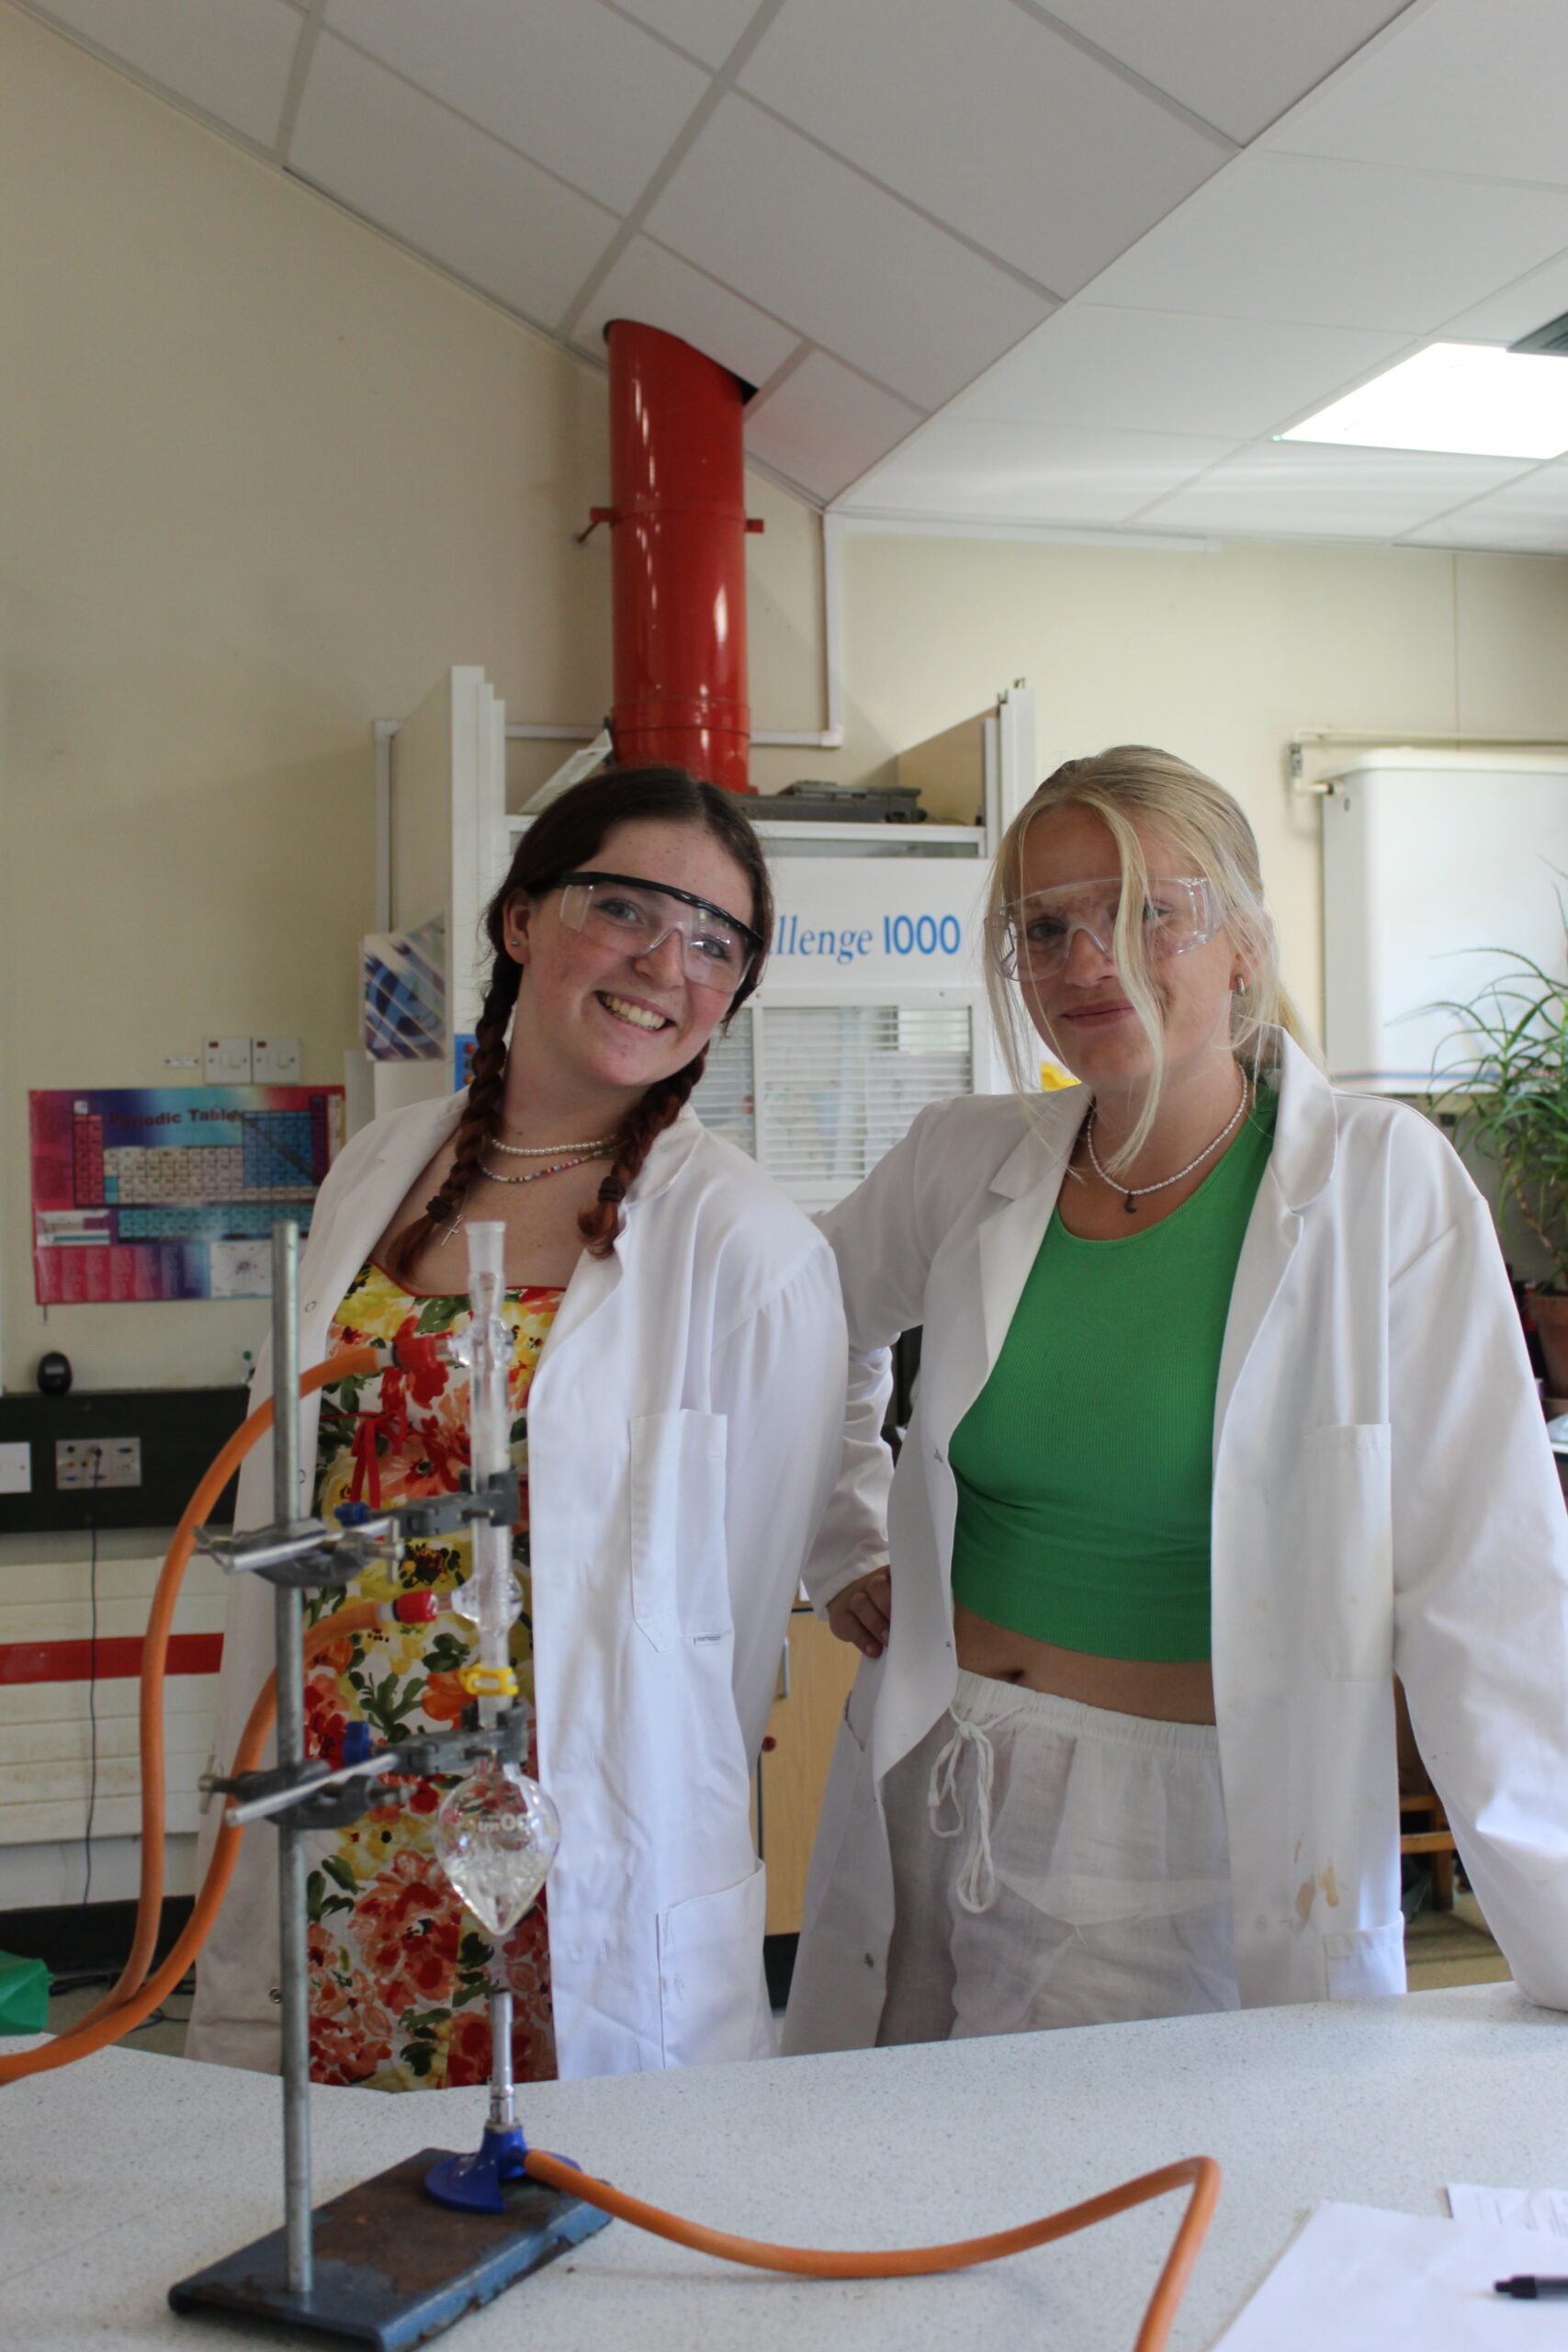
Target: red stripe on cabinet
<point>118,1657</point>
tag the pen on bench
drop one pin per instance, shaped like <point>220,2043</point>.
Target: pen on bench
<point>1527,2290</point>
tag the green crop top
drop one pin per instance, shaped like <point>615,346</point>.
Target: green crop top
<point>1084,1467</point>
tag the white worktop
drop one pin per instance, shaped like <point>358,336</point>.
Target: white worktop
<point>127,2171</point>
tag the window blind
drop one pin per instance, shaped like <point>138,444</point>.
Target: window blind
<point>819,1092</point>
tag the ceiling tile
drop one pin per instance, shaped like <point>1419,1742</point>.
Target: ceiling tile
<point>1290,490</point>
<point>968,467</point>
<point>1293,237</point>
<point>1459,88</point>
<point>1156,371</point>
<point>1072,163</point>
<point>1531,301</point>
<point>411,167</point>
<point>233,61</point>
<point>852,267</point>
<point>574,87</point>
<point>662,290</point>
<point>825,425</point>
<point>709,29</point>
<point>1236,62</point>
<point>1531,517</point>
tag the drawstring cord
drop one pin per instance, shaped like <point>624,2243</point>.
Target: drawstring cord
<point>976,1884</point>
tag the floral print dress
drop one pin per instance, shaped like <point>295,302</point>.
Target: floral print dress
<point>399,1969</point>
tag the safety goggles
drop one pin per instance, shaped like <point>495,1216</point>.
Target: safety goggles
<point>717,949</point>
<point>1034,935</point>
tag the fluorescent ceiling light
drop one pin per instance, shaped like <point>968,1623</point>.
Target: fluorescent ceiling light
<point>1466,398</point>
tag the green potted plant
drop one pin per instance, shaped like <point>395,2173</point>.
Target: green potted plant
<point>1511,1107</point>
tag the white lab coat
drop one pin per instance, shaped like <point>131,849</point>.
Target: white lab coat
<point>684,1426</point>
<point>1384,1499</point>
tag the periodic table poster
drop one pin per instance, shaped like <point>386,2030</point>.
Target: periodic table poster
<point>170,1193</point>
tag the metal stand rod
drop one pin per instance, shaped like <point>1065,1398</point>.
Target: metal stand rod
<point>289,1625</point>
<point>502,2101</point>
<point>440,2233</point>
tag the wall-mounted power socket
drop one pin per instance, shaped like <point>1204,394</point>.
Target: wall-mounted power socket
<point>97,1461</point>
<point>275,1061</point>
<point>226,1061</point>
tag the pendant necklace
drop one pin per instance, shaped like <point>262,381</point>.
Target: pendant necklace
<point>531,1175</point>
<point>1135,1193</point>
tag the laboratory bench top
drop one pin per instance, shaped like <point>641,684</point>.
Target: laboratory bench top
<point>126,2172</point>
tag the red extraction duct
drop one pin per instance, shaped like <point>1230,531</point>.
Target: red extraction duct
<point>678,539</point>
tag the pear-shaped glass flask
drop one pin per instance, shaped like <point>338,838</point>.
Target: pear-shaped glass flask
<point>496,1836</point>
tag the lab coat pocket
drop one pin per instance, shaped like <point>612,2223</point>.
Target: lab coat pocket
<point>711,1997</point>
<point>679,1565</point>
<point>1344,1528</point>
<point>1365,1963</point>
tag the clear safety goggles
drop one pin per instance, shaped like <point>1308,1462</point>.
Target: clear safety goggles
<point>717,949</point>
<point>1034,936</point>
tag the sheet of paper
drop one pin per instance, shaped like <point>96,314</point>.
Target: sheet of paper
<point>1525,2209</point>
<point>1356,2280</point>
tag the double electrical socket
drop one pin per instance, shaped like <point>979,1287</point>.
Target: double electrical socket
<point>250,1061</point>
<point>97,1461</point>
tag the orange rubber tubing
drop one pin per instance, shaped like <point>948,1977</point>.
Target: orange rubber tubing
<point>349,1362</point>
<point>107,2025</point>
<point>133,1998</point>
<point>1200,2173</point>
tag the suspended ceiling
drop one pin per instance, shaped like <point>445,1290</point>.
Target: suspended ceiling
<point>986,262</point>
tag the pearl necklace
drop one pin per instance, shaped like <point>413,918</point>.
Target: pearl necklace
<point>1138,1191</point>
<point>543,1150</point>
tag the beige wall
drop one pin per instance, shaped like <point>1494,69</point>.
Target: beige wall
<point>266,478</point>
<point>1219,657</point>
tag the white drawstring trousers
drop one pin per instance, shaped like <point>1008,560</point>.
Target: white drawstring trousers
<point>1054,1864</point>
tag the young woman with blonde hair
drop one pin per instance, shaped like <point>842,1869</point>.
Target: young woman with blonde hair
<point>1225,1415</point>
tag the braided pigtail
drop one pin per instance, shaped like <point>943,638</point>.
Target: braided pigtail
<point>645,1120</point>
<point>479,1116</point>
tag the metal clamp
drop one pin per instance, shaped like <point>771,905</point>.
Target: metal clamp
<point>314,1794</point>
<point>301,1553</point>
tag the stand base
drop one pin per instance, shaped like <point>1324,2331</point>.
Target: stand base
<point>391,2267</point>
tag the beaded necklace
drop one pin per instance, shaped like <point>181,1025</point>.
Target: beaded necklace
<point>1138,1191</point>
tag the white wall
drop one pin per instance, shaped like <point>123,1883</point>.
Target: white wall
<point>267,476</point>
<point>1218,657</point>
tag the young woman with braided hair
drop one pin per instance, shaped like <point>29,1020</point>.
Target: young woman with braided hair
<point>673,1313</point>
